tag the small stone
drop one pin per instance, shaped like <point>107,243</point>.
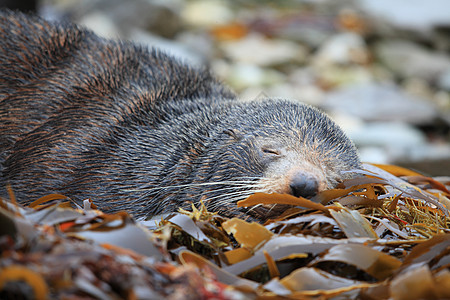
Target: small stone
<point>408,59</point>
<point>416,15</point>
<point>338,75</point>
<point>258,50</point>
<point>386,142</point>
<point>375,155</point>
<point>344,48</point>
<point>242,76</point>
<point>200,43</point>
<point>380,102</point>
<point>101,24</point>
<point>159,17</point>
<point>432,151</point>
<point>444,80</point>
<point>311,29</point>
<point>171,47</point>
<point>205,13</point>
<point>308,94</point>
<point>387,134</point>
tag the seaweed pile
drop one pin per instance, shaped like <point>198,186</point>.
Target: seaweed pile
<point>383,235</point>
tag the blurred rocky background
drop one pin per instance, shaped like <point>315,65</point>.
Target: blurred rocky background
<point>380,68</point>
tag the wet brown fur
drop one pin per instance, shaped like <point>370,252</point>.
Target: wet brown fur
<point>138,130</point>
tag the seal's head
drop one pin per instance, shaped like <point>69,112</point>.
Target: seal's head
<point>273,146</point>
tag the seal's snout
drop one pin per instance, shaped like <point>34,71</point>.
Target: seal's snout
<point>304,185</point>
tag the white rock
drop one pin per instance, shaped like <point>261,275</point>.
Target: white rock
<point>415,14</point>
<point>380,102</point>
<point>174,48</point>
<point>387,142</point>
<point>246,75</point>
<point>158,16</point>
<point>254,93</point>
<point>308,94</point>
<point>340,75</point>
<point>435,151</point>
<point>411,60</point>
<point>376,155</point>
<point>201,43</point>
<point>101,24</point>
<point>258,50</point>
<point>444,81</point>
<point>205,13</point>
<point>387,134</point>
<point>342,48</point>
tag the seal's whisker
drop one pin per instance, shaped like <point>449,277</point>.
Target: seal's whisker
<point>244,188</point>
<point>210,193</point>
<point>231,197</point>
<point>254,207</point>
<point>243,193</point>
<point>271,208</point>
<point>226,196</point>
<point>189,185</point>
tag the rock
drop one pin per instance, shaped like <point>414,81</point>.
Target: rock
<point>205,13</point>
<point>258,50</point>
<point>254,93</point>
<point>387,142</point>
<point>391,142</point>
<point>338,75</point>
<point>306,33</point>
<point>379,134</point>
<point>160,17</point>
<point>428,152</point>
<point>421,89</point>
<point>310,94</point>
<point>380,102</point>
<point>300,85</point>
<point>310,26</point>
<point>431,158</point>
<point>440,38</point>
<point>432,167</point>
<point>417,15</point>
<point>343,48</point>
<point>444,80</point>
<point>375,155</point>
<point>417,87</point>
<point>408,59</point>
<point>101,24</point>
<point>242,76</point>
<point>200,43</point>
<point>382,142</point>
<point>395,135</point>
<point>174,48</point>
<point>245,75</point>
<point>342,60</point>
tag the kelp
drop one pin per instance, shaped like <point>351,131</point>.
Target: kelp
<point>382,235</point>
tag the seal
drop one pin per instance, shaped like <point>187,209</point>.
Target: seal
<point>135,129</point>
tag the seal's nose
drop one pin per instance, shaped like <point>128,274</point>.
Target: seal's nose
<point>304,185</point>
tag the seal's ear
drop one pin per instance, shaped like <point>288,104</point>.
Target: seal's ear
<point>234,133</point>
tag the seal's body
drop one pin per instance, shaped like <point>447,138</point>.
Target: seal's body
<point>136,130</point>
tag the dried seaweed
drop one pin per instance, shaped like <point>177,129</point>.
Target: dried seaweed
<point>382,235</point>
